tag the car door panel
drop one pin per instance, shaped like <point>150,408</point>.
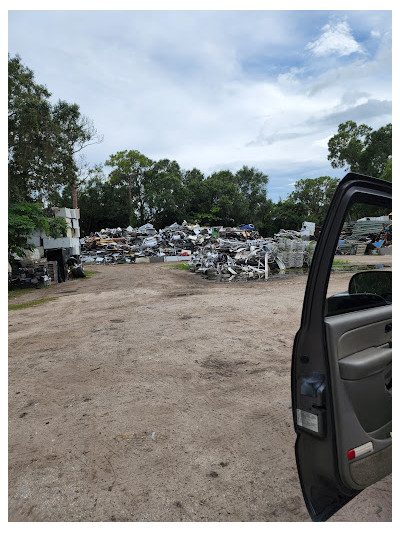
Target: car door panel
<point>362,400</point>
<point>341,373</point>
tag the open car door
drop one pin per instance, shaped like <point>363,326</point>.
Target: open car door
<point>341,368</point>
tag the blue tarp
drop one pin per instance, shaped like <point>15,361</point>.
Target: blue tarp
<point>247,226</point>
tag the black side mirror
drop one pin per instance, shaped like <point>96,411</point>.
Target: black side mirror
<point>372,282</point>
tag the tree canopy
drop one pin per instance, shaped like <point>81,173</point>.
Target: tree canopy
<point>313,196</point>
<point>129,167</point>
<point>360,148</point>
<point>42,138</point>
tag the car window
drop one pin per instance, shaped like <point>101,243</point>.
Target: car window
<point>361,271</point>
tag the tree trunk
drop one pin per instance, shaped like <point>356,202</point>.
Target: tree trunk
<point>74,197</point>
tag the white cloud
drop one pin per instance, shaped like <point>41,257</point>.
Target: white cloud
<point>336,40</point>
<point>291,77</point>
<point>375,33</point>
<point>322,143</point>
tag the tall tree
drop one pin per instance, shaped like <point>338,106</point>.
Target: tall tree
<point>252,184</point>
<point>102,204</point>
<point>360,148</point>
<point>75,132</point>
<point>130,168</point>
<point>42,138</point>
<point>165,193</point>
<point>196,194</point>
<point>33,169</point>
<point>314,196</point>
<point>224,199</point>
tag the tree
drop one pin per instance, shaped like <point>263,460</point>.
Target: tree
<point>286,215</point>
<point>387,172</point>
<point>378,151</point>
<point>196,194</point>
<point>360,148</point>
<point>42,138</point>
<point>23,220</point>
<point>313,196</point>
<point>102,204</point>
<point>165,193</point>
<point>224,200</point>
<point>130,169</point>
<point>74,132</point>
<point>252,184</point>
<point>33,170</point>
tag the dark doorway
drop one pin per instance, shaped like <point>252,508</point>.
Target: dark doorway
<point>59,255</point>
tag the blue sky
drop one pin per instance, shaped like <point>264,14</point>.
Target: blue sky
<point>215,89</point>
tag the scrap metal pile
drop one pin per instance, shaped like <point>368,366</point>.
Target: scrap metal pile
<point>366,236</point>
<point>129,245</point>
<point>234,259</point>
<point>216,252</point>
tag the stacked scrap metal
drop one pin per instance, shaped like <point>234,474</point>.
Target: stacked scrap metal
<point>130,244</point>
<point>253,259</point>
<point>217,252</point>
<point>365,236</point>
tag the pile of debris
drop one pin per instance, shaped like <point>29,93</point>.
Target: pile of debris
<point>215,252</point>
<point>34,275</point>
<point>36,272</point>
<point>366,236</point>
<point>253,259</point>
<point>146,244</point>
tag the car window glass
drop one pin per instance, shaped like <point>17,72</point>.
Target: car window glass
<point>361,272</point>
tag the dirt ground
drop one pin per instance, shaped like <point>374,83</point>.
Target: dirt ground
<point>145,393</point>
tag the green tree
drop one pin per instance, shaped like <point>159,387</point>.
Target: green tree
<point>377,152</point>
<point>225,201</point>
<point>164,193</point>
<point>130,168</point>
<point>252,184</point>
<point>33,170</point>
<point>360,148</point>
<point>313,196</point>
<point>42,138</point>
<point>387,172</point>
<point>286,215</point>
<point>196,194</point>
<point>23,220</point>
<point>74,132</point>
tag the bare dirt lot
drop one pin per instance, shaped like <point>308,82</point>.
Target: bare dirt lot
<point>146,393</point>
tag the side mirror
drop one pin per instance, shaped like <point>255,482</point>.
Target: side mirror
<point>372,282</point>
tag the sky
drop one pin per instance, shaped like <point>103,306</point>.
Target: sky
<point>215,89</point>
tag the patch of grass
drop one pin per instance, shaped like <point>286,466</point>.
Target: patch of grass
<point>26,305</point>
<point>341,262</point>
<point>20,292</point>
<point>91,272</point>
<point>179,266</point>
